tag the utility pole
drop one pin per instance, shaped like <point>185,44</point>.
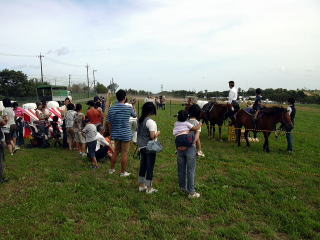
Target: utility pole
<point>55,82</point>
<point>87,66</point>
<point>94,78</point>
<point>69,82</point>
<point>41,56</point>
<point>161,87</point>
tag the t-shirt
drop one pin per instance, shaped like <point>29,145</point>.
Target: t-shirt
<point>90,131</point>
<point>118,117</point>
<point>101,141</point>
<point>195,123</point>
<point>78,121</point>
<point>233,95</point>
<point>181,127</point>
<point>95,116</point>
<point>69,118</point>
<point>144,129</point>
<point>9,113</point>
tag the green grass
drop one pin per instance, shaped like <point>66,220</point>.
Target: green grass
<point>245,193</point>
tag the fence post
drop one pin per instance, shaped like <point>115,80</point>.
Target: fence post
<point>138,108</point>
<point>170,108</point>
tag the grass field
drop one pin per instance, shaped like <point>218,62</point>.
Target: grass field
<point>245,193</point>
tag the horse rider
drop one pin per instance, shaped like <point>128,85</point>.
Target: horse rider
<point>232,98</point>
<point>257,105</point>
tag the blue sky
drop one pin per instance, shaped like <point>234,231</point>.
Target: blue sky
<point>182,44</point>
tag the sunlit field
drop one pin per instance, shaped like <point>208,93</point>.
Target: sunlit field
<point>245,193</point>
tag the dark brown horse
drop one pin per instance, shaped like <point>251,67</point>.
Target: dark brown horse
<point>215,113</point>
<point>266,122</point>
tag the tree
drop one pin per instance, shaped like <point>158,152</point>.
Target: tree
<point>100,88</point>
<point>16,84</point>
<point>113,86</point>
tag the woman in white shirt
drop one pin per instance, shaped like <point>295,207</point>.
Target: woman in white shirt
<point>9,129</point>
<point>147,130</point>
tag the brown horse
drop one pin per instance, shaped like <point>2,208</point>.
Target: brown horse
<point>215,113</point>
<point>266,122</point>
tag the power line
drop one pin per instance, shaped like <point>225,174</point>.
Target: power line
<point>15,55</point>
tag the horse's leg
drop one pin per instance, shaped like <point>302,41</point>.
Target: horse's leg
<point>208,128</point>
<point>213,130</point>
<point>267,147</point>
<point>220,132</point>
<point>246,133</point>
<point>238,135</point>
<point>265,144</point>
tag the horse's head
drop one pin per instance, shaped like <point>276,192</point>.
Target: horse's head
<point>286,120</point>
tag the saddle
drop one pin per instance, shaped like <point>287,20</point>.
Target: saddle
<point>208,107</point>
<point>250,111</point>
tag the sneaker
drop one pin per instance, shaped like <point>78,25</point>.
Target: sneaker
<point>84,155</point>
<point>194,195</point>
<point>95,166</point>
<point>151,190</point>
<point>142,189</point>
<point>200,154</point>
<point>17,148</point>
<point>11,154</point>
<point>111,171</point>
<point>125,174</point>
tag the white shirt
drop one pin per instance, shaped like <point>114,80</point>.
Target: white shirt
<point>101,141</point>
<point>9,113</point>
<point>289,109</point>
<point>151,125</point>
<point>233,95</point>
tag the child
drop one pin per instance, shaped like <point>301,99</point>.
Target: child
<point>69,121</point>
<point>182,129</point>
<point>77,127</point>
<point>56,131</point>
<point>90,132</point>
<point>194,116</point>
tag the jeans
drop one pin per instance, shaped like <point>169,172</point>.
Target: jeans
<point>289,140</point>
<point>186,161</point>
<point>146,166</point>
<point>20,139</point>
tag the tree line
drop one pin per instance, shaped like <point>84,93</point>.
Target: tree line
<point>16,84</point>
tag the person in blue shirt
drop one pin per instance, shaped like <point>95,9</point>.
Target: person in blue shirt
<point>118,118</point>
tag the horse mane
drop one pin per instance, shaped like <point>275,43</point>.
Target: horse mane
<point>273,110</point>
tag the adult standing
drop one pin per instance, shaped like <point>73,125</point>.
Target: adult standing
<point>19,114</point>
<point>119,126</point>
<point>94,115</point>
<point>292,112</point>
<point>147,131</point>
<point>2,159</point>
<point>9,129</point>
<point>63,110</point>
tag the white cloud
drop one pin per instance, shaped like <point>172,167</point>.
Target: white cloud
<point>174,42</point>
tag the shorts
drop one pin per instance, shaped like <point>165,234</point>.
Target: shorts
<point>122,147</point>
<point>70,134</point>
<point>11,134</point>
<point>92,148</point>
<point>79,138</point>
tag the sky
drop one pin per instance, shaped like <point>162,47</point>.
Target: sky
<point>179,44</point>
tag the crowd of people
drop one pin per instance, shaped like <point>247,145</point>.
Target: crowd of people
<point>87,134</point>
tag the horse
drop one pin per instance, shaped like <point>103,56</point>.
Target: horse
<point>265,122</point>
<point>215,113</point>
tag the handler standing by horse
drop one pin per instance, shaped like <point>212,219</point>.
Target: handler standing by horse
<point>292,112</point>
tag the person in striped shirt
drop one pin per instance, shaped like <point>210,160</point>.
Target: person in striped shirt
<point>118,118</point>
